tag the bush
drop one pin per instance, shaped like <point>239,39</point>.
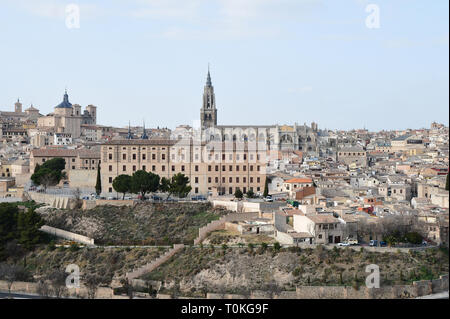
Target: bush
<point>276,246</point>
<point>414,238</point>
<point>74,247</point>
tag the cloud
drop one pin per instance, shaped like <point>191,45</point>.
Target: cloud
<point>223,18</point>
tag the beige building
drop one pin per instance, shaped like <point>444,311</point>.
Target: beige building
<point>353,155</point>
<point>67,118</point>
<point>211,168</point>
<point>326,229</point>
<point>76,159</point>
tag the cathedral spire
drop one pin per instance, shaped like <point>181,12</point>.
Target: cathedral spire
<point>144,134</point>
<point>130,135</point>
<point>208,78</point>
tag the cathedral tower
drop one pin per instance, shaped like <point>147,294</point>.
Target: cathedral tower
<point>208,113</point>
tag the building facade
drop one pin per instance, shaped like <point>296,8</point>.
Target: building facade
<point>211,168</point>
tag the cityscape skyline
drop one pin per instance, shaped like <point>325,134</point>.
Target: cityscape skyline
<point>320,61</point>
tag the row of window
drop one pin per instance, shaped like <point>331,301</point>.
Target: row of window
<point>182,157</point>
<point>351,154</point>
<point>196,168</point>
<point>216,180</point>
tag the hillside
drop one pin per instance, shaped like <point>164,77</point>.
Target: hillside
<point>143,224</point>
<point>102,262</point>
<point>236,270</point>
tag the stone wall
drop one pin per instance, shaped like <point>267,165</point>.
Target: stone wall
<point>32,287</point>
<point>89,204</point>
<point>154,264</point>
<point>55,201</point>
<point>220,224</point>
<point>82,178</point>
<point>67,235</point>
<point>417,289</point>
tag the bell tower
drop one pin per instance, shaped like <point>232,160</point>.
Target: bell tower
<point>208,113</point>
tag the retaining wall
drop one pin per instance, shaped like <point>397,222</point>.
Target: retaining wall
<point>32,287</point>
<point>220,224</point>
<point>154,264</point>
<point>55,201</point>
<point>417,289</point>
<point>67,235</point>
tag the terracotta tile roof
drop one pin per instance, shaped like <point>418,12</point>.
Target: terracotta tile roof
<point>48,152</point>
<point>323,219</point>
<point>141,142</point>
<point>299,180</point>
<point>301,235</point>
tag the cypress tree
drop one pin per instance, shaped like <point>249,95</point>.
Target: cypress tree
<point>266,188</point>
<point>98,185</point>
<point>447,183</point>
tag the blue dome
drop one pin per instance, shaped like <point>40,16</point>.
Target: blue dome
<point>65,103</point>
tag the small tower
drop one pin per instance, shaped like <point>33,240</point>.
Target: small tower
<point>144,134</point>
<point>130,135</point>
<point>208,113</point>
<point>18,107</point>
<point>92,110</point>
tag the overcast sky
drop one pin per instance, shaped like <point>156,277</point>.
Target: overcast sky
<point>272,61</point>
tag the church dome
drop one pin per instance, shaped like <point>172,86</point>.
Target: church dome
<point>65,104</point>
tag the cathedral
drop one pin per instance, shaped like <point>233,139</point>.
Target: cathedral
<point>275,137</point>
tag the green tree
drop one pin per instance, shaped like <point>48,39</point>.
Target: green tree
<point>122,184</point>
<point>266,188</point>
<point>50,173</point>
<point>250,194</point>
<point>238,193</point>
<point>143,182</point>
<point>414,238</point>
<point>8,225</point>
<point>179,185</point>
<point>98,184</point>
<point>164,186</point>
<point>28,225</point>
<point>447,183</point>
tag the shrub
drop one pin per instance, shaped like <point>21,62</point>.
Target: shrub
<point>277,246</point>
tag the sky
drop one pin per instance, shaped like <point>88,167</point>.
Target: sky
<point>336,63</point>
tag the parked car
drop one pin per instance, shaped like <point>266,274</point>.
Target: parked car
<point>383,244</point>
<point>156,197</point>
<point>198,198</point>
<point>268,199</point>
<point>352,241</point>
<point>373,243</point>
<point>343,244</point>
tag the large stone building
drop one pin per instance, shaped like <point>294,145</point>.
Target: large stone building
<point>212,169</point>
<point>30,114</point>
<point>218,159</point>
<point>68,118</point>
<point>76,159</point>
<point>275,137</point>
